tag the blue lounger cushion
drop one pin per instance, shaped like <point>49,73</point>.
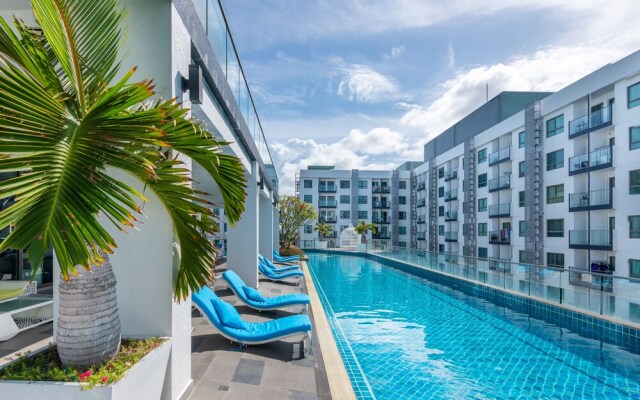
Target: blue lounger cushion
<point>241,290</point>
<point>228,314</point>
<point>253,294</point>
<point>271,274</point>
<point>253,332</point>
<point>269,264</point>
<point>280,258</point>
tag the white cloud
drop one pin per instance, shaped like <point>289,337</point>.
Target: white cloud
<point>396,52</point>
<point>361,83</point>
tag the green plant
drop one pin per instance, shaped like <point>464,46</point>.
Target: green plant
<point>293,215</point>
<point>65,119</point>
<point>323,229</point>
<point>362,228</point>
<point>291,251</point>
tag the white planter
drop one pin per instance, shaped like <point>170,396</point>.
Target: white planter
<point>322,244</point>
<point>143,381</point>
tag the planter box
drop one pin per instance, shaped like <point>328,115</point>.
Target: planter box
<point>143,381</point>
<point>322,244</point>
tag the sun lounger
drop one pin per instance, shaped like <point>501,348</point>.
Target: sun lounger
<point>254,299</point>
<point>280,270</point>
<point>274,276</point>
<point>277,257</point>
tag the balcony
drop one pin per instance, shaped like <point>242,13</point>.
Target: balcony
<point>328,204</point>
<point>421,186</point>
<point>451,195</point>
<point>421,236</point>
<point>451,236</point>
<point>500,210</point>
<point>591,240</point>
<point>597,159</point>
<point>327,189</point>
<point>591,122</point>
<point>501,183</point>
<point>421,220</point>
<point>451,175</point>
<point>331,235</point>
<point>596,200</point>
<point>381,235</point>
<point>502,236</point>
<point>381,189</point>
<point>380,204</point>
<point>592,279</point>
<point>451,215</point>
<point>329,219</point>
<point>381,220</point>
<point>421,203</point>
<point>499,156</point>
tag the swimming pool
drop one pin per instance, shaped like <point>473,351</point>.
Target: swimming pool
<point>405,337</point>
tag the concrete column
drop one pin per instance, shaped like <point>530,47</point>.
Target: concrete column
<point>266,227</point>
<point>242,239</point>
<point>276,228</point>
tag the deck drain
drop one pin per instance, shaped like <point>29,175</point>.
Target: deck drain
<point>223,388</point>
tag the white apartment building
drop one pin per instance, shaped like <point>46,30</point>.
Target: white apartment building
<point>344,197</point>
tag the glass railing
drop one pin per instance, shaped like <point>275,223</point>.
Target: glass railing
<point>451,194</point>
<point>381,189</point>
<point>584,290</point>
<point>330,235</point>
<point>593,238</point>
<point>421,202</point>
<point>594,159</point>
<point>421,235</point>
<point>596,198</point>
<point>381,220</point>
<point>594,120</point>
<point>449,175</point>
<point>381,204</point>
<point>451,215</point>
<point>381,235</point>
<point>421,186</point>
<point>451,236</point>
<point>327,189</point>
<point>502,236</point>
<point>500,155</point>
<point>503,209</point>
<point>213,20</point>
<point>329,219</point>
<point>502,182</point>
<point>328,203</point>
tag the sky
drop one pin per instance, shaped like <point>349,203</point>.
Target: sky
<point>365,84</point>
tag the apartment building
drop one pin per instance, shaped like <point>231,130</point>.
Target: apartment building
<point>344,197</point>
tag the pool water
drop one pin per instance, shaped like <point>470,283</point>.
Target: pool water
<point>405,337</point>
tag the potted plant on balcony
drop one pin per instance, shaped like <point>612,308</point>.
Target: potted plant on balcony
<point>361,229</point>
<point>323,230</point>
<point>64,120</point>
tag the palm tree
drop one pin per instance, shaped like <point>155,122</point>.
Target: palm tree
<point>362,228</point>
<point>65,119</point>
<point>323,229</point>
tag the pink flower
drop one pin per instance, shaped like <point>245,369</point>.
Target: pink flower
<point>104,379</point>
<point>155,345</point>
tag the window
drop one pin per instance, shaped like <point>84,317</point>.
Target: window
<point>308,198</point>
<point>402,244</point>
<point>634,226</point>
<point>555,260</point>
<point>555,194</point>
<point>555,159</point>
<point>555,126</point>
<point>521,169</point>
<point>363,200</point>
<point>402,199</point>
<point>441,191</point>
<point>633,95</point>
<point>522,228</point>
<point>345,184</point>
<point>634,268</point>
<point>402,215</point>
<point>521,199</point>
<point>402,185</point>
<point>441,173</point>
<point>362,184</point>
<point>482,180</point>
<point>522,256</point>
<point>440,248</point>
<point>345,199</point>
<point>441,230</point>
<point>482,252</point>
<point>555,228</point>
<point>521,138</point>
<point>634,137</point>
<point>441,211</point>
<point>308,229</point>
<point>482,205</point>
<point>345,214</point>
<point>482,229</point>
<point>482,156</point>
<point>308,183</point>
<point>634,182</point>
<point>402,230</point>
<point>363,215</point>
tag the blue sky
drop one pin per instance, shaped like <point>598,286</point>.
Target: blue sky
<point>364,84</point>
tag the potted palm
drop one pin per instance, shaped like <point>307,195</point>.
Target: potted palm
<point>323,230</point>
<point>361,229</point>
<point>65,121</point>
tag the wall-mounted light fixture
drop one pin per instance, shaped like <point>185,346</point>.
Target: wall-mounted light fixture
<point>193,84</point>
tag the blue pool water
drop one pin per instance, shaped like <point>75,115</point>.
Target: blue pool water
<point>404,337</point>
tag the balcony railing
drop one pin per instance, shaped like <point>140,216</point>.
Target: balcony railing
<point>502,236</point>
<point>381,189</point>
<point>501,183</point>
<point>451,195</point>
<point>499,210</point>
<point>500,156</point>
<point>381,235</point>
<point>327,189</point>
<point>421,220</point>
<point>381,220</point>
<point>380,204</point>
<point>596,120</point>
<point>451,236</point>
<point>421,203</point>
<point>596,200</point>
<point>330,219</point>
<point>421,236</point>
<point>331,235</point>
<point>597,279</point>
<point>594,240</point>
<point>421,186</point>
<point>597,159</point>
<point>450,175</point>
<point>328,204</point>
<point>451,215</point>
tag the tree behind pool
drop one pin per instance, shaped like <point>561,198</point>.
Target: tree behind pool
<point>293,215</point>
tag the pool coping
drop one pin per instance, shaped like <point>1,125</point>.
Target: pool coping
<point>340,385</point>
